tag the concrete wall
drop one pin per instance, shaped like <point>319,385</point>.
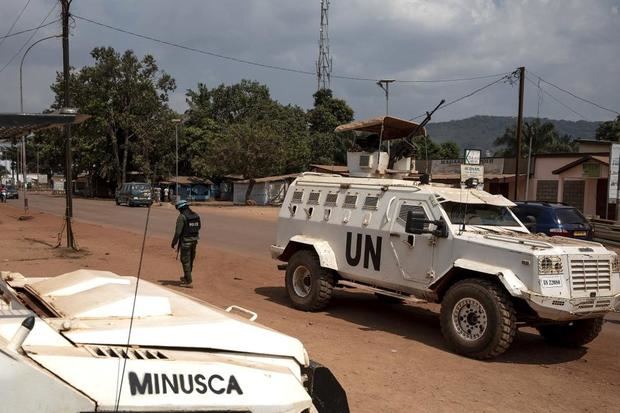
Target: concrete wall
<point>544,168</point>
<point>263,193</point>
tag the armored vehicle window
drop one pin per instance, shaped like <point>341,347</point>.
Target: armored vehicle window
<point>479,214</point>
<point>350,201</point>
<point>313,198</point>
<point>331,199</point>
<point>418,212</point>
<point>297,195</point>
<point>371,202</point>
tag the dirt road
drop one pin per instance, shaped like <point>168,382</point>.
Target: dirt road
<point>389,358</point>
<point>231,228</point>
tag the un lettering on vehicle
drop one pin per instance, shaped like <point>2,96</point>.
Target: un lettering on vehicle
<point>361,248</point>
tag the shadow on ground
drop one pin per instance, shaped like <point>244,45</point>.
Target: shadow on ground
<point>422,325</point>
<point>169,283</point>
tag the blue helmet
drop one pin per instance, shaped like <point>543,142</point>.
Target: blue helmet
<point>181,204</point>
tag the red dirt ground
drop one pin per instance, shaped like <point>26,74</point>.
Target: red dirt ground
<point>388,358</point>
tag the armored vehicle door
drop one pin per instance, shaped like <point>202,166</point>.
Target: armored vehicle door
<point>413,254</point>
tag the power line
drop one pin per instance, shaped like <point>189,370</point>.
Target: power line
<point>462,79</point>
<point>29,30</point>
<point>30,38</point>
<point>264,65</point>
<point>193,49</point>
<point>480,89</point>
<point>554,98</point>
<point>574,95</point>
<point>15,22</point>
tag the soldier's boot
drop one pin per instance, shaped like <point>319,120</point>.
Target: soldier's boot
<point>186,280</point>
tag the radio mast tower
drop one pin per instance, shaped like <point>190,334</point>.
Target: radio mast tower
<point>324,63</point>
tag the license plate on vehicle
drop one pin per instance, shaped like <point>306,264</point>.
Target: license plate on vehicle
<point>580,233</point>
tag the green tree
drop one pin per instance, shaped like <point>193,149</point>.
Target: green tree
<point>130,127</point>
<point>240,129</point>
<point>544,138</point>
<point>247,148</point>
<point>449,150</point>
<point>228,104</point>
<point>328,112</point>
<point>609,131</point>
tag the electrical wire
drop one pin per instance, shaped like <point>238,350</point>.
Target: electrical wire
<point>462,79</point>
<point>480,89</point>
<point>574,95</point>
<point>29,30</point>
<point>265,65</point>
<point>14,22</point>
<point>193,49</point>
<point>30,38</point>
<point>554,98</point>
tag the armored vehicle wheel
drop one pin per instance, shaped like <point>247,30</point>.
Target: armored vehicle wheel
<point>309,286</point>
<point>478,319</point>
<point>573,334</point>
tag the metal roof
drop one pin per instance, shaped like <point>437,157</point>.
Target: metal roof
<point>599,159</point>
<point>13,125</point>
<point>271,179</point>
<point>393,128</point>
<point>186,180</point>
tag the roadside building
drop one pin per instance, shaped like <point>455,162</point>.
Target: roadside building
<point>266,191</point>
<point>225,187</point>
<point>578,179</point>
<point>191,188</point>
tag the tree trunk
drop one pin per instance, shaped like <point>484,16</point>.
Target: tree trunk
<point>248,191</point>
<point>117,162</point>
<point>125,153</point>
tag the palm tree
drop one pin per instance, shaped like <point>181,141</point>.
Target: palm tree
<point>543,136</point>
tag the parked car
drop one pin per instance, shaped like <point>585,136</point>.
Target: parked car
<point>553,219</point>
<point>11,192</point>
<point>134,194</point>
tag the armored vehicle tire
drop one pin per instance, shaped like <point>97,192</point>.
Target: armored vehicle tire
<point>478,319</point>
<point>309,286</point>
<point>573,334</point>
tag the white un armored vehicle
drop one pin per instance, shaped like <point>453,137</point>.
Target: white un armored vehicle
<point>65,348</point>
<point>460,247</point>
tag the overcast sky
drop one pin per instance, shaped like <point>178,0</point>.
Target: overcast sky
<point>573,44</point>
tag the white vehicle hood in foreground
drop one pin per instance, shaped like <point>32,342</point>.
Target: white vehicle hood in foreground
<point>183,355</point>
<point>94,307</point>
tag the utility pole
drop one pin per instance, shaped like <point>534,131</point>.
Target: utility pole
<point>519,127</point>
<point>324,63</point>
<point>385,85</point>
<point>66,105</point>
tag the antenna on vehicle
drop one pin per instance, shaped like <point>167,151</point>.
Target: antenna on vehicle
<point>133,310</point>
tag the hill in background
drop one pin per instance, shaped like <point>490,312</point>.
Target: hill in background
<point>479,132</point>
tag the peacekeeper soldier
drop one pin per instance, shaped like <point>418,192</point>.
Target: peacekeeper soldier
<point>185,239</point>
